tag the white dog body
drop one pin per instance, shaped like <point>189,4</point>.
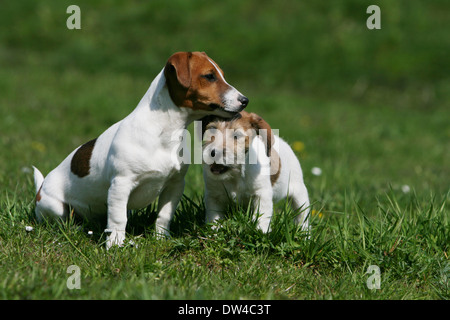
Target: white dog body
<point>260,179</point>
<point>134,161</point>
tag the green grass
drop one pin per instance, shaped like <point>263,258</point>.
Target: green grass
<point>369,107</point>
<point>407,239</point>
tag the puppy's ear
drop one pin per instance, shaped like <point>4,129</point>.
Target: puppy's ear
<point>205,121</point>
<point>177,69</point>
<point>260,124</point>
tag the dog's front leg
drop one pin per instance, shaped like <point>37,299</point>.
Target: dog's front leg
<point>118,195</point>
<point>214,206</point>
<point>167,204</point>
<point>264,205</point>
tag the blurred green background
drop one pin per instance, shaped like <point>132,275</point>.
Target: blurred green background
<point>369,107</point>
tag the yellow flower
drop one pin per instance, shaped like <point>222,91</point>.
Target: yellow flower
<point>298,146</point>
<point>38,146</point>
<point>317,213</point>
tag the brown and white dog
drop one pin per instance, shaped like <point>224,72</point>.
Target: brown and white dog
<point>244,161</point>
<point>130,164</point>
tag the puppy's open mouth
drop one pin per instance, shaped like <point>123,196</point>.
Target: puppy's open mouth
<point>218,168</point>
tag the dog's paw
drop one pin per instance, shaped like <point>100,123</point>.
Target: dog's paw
<point>162,232</point>
<point>264,224</point>
<point>114,238</point>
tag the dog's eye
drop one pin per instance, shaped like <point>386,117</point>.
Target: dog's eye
<point>210,77</point>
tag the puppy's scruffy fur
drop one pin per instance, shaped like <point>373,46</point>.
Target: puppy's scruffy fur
<point>245,161</point>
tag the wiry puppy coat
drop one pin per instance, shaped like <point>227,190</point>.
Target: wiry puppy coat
<point>245,161</point>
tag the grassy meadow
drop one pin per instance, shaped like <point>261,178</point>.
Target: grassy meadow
<point>370,108</point>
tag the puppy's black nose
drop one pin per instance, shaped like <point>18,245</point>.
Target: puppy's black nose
<point>243,100</point>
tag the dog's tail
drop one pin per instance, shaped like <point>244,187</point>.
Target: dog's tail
<point>38,179</point>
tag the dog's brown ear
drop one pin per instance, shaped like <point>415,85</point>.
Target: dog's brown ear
<point>177,69</point>
<point>259,124</point>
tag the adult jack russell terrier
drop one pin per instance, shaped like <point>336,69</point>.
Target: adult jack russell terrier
<point>130,164</point>
<point>245,161</point>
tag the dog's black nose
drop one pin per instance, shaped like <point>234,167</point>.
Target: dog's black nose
<point>243,100</point>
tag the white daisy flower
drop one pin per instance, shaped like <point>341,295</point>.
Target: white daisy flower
<point>405,188</point>
<point>316,171</point>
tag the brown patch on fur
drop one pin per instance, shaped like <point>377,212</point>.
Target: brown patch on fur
<point>38,195</point>
<point>80,164</point>
<point>275,167</point>
<point>185,76</point>
<point>259,124</point>
<point>178,77</point>
<point>249,121</point>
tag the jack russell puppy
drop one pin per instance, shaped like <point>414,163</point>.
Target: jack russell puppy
<point>132,163</point>
<point>244,161</point>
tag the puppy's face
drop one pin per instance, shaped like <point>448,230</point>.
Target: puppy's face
<point>226,143</point>
<point>195,81</point>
